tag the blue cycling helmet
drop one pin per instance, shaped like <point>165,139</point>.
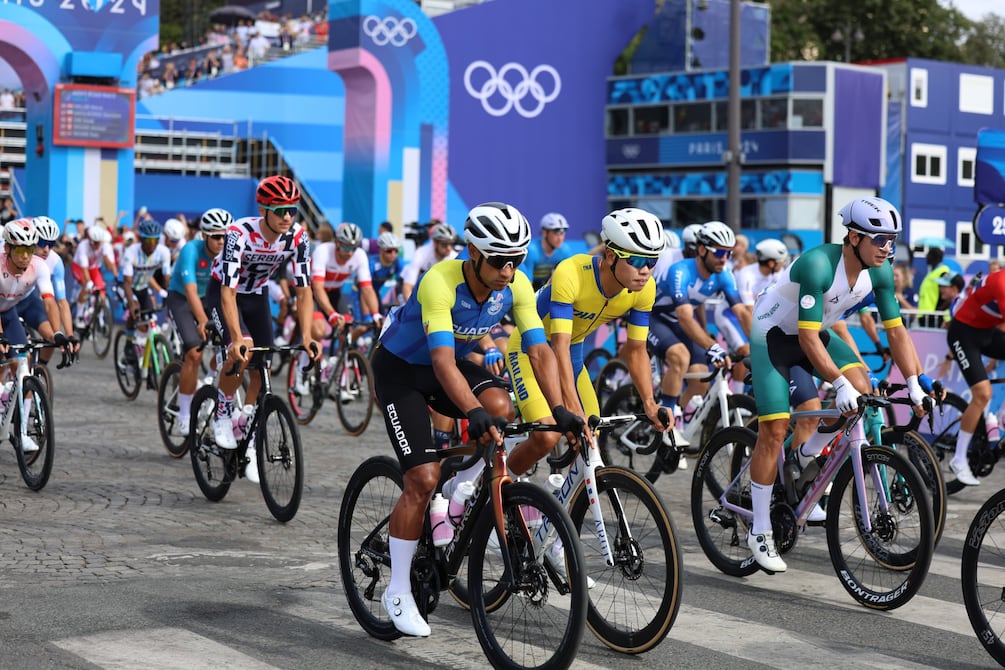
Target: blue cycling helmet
<point>150,229</point>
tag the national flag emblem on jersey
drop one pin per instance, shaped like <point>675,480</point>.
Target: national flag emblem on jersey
<point>495,304</point>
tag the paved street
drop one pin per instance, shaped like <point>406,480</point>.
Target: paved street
<point>121,563</point>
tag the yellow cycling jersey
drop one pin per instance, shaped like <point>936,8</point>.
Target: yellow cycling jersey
<point>572,302</point>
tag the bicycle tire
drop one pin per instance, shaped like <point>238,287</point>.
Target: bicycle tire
<point>735,402</point>
<point>536,626</point>
<point>214,468</point>
<point>611,377</point>
<point>926,463</point>
<point>44,377</point>
<point>304,407</point>
<point>354,392</point>
<point>595,361</point>
<point>611,443</point>
<point>363,547</point>
<point>127,374</point>
<point>101,329</point>
<point>885,568</point>
<point>174,442</point>
<point>161,358</point>
<point>636,601</point>
<point>36,466</point>
<point>942,436</point>
<point>280,458</point>
<point>722,533</point>
<point>982,579</point>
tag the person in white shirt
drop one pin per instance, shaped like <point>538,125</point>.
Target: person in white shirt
<point>440,247</point>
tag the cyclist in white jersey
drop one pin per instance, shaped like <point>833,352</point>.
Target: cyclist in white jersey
<point>93,252</point>
<point>752,279</point>
<point>48,234</point>
<point>236,298</point>
<point>440,247</point>
<point>790,335</point>
<point>140,261</point>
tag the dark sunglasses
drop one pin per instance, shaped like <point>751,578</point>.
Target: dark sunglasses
<point>283,211</point>
<point>500,262</point>
<point>220,236</point>
<point>636,261</point>
<point>721,253</point>
<point>388,251</point>
<point>347,248</point>
<point>45,244</point>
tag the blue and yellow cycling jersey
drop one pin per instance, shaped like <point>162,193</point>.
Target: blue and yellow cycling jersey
<point>574,303</point>
<point>192,266</point>
<point>442,312</point>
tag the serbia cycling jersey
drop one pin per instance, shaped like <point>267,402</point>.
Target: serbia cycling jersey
<point>441,312</point>
<point>141,267</point>
<point>981,307</point>
<point>539,265</point>
<point>248,259</point>
<point>193,266</point>
<point>327,269</point>
<point>683,285</point>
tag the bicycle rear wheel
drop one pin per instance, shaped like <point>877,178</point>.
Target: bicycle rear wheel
<point>611,377</point>
<point>925,461</point>
<point>741,409</point>
<point>167,412</point>
<point>540,624</point>
<point>354,392</point>
<point>363,548</point>
<point>721,532</point>
<point>280,459</point>
<point>634,602</point>
<point>127,365</point>
<point>35,466</point>
<point>983,575</point>
<point>884,568</point>
<point>215,468</point>
<point>101,329</point>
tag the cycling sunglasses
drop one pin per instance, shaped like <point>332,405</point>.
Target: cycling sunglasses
<point>721,253</point>
<point>636,261</point>
<point>45,244</point>
<point>879,240</point>
<point>284,210</point>
<point>500,262</point>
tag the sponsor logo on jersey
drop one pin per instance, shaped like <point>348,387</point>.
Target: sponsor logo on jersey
<point>807,302</point>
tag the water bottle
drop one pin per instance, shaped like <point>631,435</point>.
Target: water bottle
<point>455,510</point>
<point>242,421</point>
<point>809,473</point>
<point>692,406</point>
<point>6,394</point>
<point>792,474</point>
<point>555,483</point>
<point>994,431</point>
<point>443,530</point>
<point>327,369</point>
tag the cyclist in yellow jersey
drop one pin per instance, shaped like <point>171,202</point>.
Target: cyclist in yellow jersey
<point>584,293</point>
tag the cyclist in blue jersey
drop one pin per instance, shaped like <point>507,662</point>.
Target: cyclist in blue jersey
<point>184,301</point>
<point>549,250</point>
<point>48,235</point>
<point>421,363</point>
<point>385,271</point>
<point>676,334</point>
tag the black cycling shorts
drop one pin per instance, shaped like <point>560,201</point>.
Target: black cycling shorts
<point>967,344</point>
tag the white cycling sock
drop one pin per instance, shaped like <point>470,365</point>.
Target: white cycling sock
<point>814,446</point>
<point>761,498</point>
<point>185,403</point>
<point>402,552</point>
<point>962,444</point>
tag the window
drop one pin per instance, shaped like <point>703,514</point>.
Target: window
<point>966,159</point>
<point>774,112</point>
<point>919,87</point>
<point>967,243</point>
<point>617,122</point>
<point>693,117</point>
<point>748,115</point>
<point>652,120</point>
<point>807,114</point>
<point>929,161</point>
<point>977,94</point>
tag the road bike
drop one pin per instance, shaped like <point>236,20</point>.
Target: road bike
<point>527,613</point>
<point>97,322</point>
<point>880,532</point>
<point>137,363</point>
<point>982,574</point>
<point>271,430</point>
<point>344,376</point>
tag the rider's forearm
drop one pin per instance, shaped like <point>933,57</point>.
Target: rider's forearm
<point>545,366</point>
<point>562,347</point>
<point>694,330</point>
<point>195,302</point>
<point>231,318</point>
<point>637,359</point>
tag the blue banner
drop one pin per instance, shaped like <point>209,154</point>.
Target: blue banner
<point>989,175</point>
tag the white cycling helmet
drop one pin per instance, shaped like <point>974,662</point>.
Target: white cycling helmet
<point>673,239</point>
<point>554,221</point>
<point>690,235</point>
<point>215,221</point>
<point>871,215</point>
<point>444,233</point>
<point>47,228</point>
<point>633,230</point>
<point>716,234</point>
<point>771,250</point>
<point>497,229</point>
<point>20,233</point>
<point>98,234</point>
<point>348,234</point>
<point>388,241</point>
<point>174,230</point>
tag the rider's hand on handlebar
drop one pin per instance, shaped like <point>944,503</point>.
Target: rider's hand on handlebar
<point>483,427</point>
<point>717,356</point>
<point>847,395</point>
<point>572,425</point>
<point>917,395</point>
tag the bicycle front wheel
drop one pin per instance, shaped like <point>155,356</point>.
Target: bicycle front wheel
<point>280,459</point>
<point>925,461</point>
<point>354,392</point>
<point>101,329</point>
<point>215,468</point>
<point>364,555</point>
<point>305,407</point>
<point>634,602</point>
<point>619,445</point>
<point>882,568</point>
<point>611,377</point>
<point>983,575</point>
<point>36,465</point>
<point>540,624</point>
<point>721,532</point>
<point>44,377</point>
<point>167,412</point>
<point>127,365</point>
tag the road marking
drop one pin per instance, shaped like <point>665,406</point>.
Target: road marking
<point>157,649</point>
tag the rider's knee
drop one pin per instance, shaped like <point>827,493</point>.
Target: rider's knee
<point>497,403</point>
<point>421,480</point>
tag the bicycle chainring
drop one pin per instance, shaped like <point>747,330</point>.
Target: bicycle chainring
<point>982,460</point>
<point>425,584</point>
<point>783,526</point>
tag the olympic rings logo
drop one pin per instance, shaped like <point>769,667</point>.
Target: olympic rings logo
<point>511,86</point>
<point>389,30</point>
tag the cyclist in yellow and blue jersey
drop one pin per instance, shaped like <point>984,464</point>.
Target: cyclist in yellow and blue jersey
<point>420,364</point>
<point>584,293</point>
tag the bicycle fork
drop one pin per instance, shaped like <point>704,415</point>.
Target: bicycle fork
<point>584,469</point>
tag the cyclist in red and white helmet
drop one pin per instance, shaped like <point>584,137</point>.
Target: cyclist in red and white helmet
<point>93,253</point>
<point>236,300</point>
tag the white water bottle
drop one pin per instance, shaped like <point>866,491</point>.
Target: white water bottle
<point>6,393</point>
<point>994,432</point>
<point>243,421</point>
<point>692,406</point>
<point>443,530</point>
<point>455,510</point>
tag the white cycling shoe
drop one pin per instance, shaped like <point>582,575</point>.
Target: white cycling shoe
<point>405,614</point>
<point>251,470</point>
<point>762,546</point>
<point>964,474</point>
<point>183,424</point>
<point>28,445</point>
<point>223,433</point>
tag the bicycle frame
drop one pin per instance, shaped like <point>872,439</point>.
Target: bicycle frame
<point>8,415</point>
<point>716,395</point>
